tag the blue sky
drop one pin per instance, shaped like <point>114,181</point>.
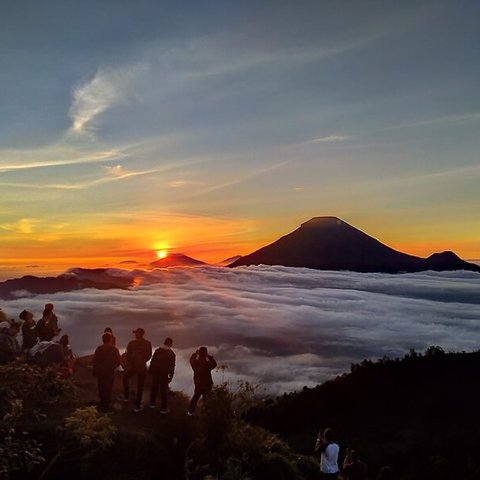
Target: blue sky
<point>214,127</point>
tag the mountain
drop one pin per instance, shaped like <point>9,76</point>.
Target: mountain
<point>176,260</point>
<point>74,279</point>
<point>328,243</point>
<point>228,261</point>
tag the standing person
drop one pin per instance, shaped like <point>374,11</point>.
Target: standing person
<point>105,360</point>
<point>353,467</point>
<point>329,454</point>
<point>9,348</point>
<point>202,364</point>
<point>162,368</point>
<point>29,330</point>
<point>137,354</point>
<point>53,318</point>
<point>113,340</point>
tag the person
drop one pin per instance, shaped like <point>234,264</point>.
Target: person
<point>136,356</point>
<point>113,340</point>
<point>162,368</point>
<point>66,369</point>
<point>9,347</point>
<point>47,326</point>
<point>47,353</point>
<point>329,454</point>
<point>29,330</point>
<point>105,360</point>
<point>202,364</point>
<point>353,467</point>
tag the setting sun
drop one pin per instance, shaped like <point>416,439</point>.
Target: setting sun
<point>162,253</point>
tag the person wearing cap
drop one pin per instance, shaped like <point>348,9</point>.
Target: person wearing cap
<point>105,360</point>
<point>137,354</point>
<point>29,330</point>
<point>162,368</point>
<point>202,365</point>
<point>9,348</point>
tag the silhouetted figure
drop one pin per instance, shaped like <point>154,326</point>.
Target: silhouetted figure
<point>66,369</point>
<point>329,454</point>
<point>47,354</point>
<point>202,365</point>
<point>29,330</point>
<point>105,360</point>
<point>162,368</point>
<point>353,467</point>
<point>113,340</point>
<point>47,326</point>
<point>386,473</point>
<point>9,347</point>
<point>137,354</point>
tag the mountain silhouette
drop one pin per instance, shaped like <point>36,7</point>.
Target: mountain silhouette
<point>176,260</point>
<point>328,243</point>
<point>74,279</point>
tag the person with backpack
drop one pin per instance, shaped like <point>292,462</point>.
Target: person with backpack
<point>329,454</point>
<point>105,360</point>
<point>137,354</point>
<point>202,365</point>
<point>162,368</point>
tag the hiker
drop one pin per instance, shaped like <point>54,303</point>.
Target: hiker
<point>113,340</point>
<point>105,360</point>
<point>47,326</point>
<point>29,330</point>
<point>329,454</point>
<point>9,347</point>
<point>47,354</point>
<point>66,369</point>
<point>5,322</point>
<point>202,364</point>
<point>353,467</point>
<point>136,356</point>
<point>162,368</point>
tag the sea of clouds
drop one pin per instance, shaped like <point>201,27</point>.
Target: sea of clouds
<point>279,327</point>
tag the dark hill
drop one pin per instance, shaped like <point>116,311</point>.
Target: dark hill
<point>176,260</point>
<point>418,414</point>
<point>328,243</point>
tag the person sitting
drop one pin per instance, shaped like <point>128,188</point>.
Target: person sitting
<point>29,330</point>
<point>9,347</point>
<point>47,354</point>
<point>202,365</point>
<point>66,369</point>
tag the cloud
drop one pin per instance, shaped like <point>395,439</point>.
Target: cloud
<point>277,326</point>
<point>470,117</point>
<point>331,138</point>
<point>108,87</point>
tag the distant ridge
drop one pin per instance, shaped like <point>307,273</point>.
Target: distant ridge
<point>176,260</point>
<point>329,243</point>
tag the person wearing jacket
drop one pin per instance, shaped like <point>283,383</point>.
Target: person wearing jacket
<point>162,368</point>
<point>137,354</point>
<point>9,347</point>
<point>29,330</point>
<point>105,360</point>
<point>202,364</point>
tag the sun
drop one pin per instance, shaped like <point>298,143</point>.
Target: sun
<point>162,253</point>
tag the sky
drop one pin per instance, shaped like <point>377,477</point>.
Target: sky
<point>277,327</point>
<point>212,128</point>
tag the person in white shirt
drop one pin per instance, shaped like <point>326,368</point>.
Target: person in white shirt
<point>329,454</point>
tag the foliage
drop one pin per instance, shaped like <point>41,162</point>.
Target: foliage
<point>18,451</point>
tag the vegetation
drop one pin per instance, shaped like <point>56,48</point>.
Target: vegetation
<point>418,414</point>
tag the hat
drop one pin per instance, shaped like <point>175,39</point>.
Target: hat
<point>141,331</point>
<point>24,314</point>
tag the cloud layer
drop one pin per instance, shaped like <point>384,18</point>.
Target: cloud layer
<point>280,327</point>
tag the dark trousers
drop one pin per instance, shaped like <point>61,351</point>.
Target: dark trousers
<point>159,382</point>
<point>329,476</point>
<point>127,375</point>
<point>105,385</point>
<point>199,391</point>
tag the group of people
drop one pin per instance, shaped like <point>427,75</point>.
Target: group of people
<point>38,343</point>
<point>107,359</point>
<point>353,467</point>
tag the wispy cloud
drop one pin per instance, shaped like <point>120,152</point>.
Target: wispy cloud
<point>24,226</point>
<point>469,117</point>
<point>107,88</point>
<point>331,138</point>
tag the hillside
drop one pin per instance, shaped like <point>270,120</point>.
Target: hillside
<point>419,414</point>
<point>328,243</point>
